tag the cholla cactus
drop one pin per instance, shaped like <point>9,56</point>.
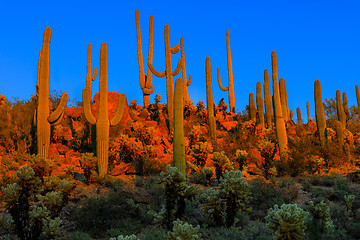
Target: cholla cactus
<point>183,231</point>
<point>321,219</point>
<point>121,237</point>
<point>287,221</point>
<point>201,152</point>
<point>349,201</point>
<point>213,206</point>
<point>267,150</point>
<point>241,157</point>
<point>234,189</point>
<point>221,163</point>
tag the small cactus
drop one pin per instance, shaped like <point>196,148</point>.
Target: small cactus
<point>298,113</point>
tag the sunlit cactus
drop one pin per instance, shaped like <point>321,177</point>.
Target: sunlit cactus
<point>169,74</point>
<point>179,142</point>
<point>283,99</point>
<point>357,95</point>
<point>267,100</point>
<point>186,82</point>
<point>346,106</point>
<point>340,109</point>
<point>102,121</point>
<point>279,120</point>
<point>145,80</point>
<point>210,104</point>
<point>308,111</point>
<point>319,113</point>
<point>260,105</point>
<point>230,88</point>
<point>298,113</point>
<point>291,114</point>
<point>252,110</point>
<point>43,118</point>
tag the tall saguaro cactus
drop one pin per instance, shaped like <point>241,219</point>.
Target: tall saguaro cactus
<point>279,120</point>
<point>260,105</point>
<point>186,82</point>
<point>145,80</point>
<point>179,142</point>
<point>267,100</point>
<point>102,121</point>
<point>210,104</point>
<point>319,113</point>
<point>308,111</point>
<point>169,74</point>
<point>284,100</point>
<point>357,95</point>
<point>42,115</point>
<point>340,109</point>
<point>230,88</point>
<point>252,110</point>
<point>346,106</point>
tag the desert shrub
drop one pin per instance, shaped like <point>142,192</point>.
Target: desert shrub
<point>88,163</point>
<point>129,237</point>
<point>202,175</point>
<point>349,199</point>
<point>267,150</point>
<point>184,231</point>
<point>241,157</point>
<point>41,166</point>
<point>79,236</point>
<point>221,163</point>
<point>287,222</point>
<point>320,221</point>
<point>201,152</point>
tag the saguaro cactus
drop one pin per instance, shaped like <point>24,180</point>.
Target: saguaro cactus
<point>357,95</point>
<point>283,98</point>
<point>346,106</point>
<point>319,113</point>
<point>102,121</point>
<point>169,74</point>
<point>252,110</point>
<point>298,113</point>
<point>42,117</point>
<point>340,109</point>
<point>308,111</point>
<point>210,104</point>
<point>267,99</point>
<point>230,88</point>
<point>145,80</point>
<point>279,120</point>
<point>186,82</point>
<point>179,142</point>
<point>260,105</point>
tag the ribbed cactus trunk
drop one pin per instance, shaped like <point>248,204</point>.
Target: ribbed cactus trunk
<point>260,105</point>
<point>179,142</point>
<point>230,88</point>
<point>340,134</point>
<point>357,95</point>
<point>340,109</point>
<point>346,106</point>
<point>210,104</point>
<point>268,100</point>
<point>252,110</point>
<point>186,82</point>
<point>279,120</point>
<point>319,113</point>
<point>283,98</point>
<point>298,113</point>
<point>308,111</point>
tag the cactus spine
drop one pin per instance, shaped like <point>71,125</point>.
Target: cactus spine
<point>308,111</point>
<point>283,98</point>
<point>260,105</point>
<point>102,121</point>
<point>340,109</point>
<point>169,74</point>
<point>42,115</point>
<point>267,99</point>
<point>186,82</point>
<point>145,80</point>
<point>210,104</point>
<point>298,113</point>
<point>346,106</point>
<point>252,110</point>
<point>179,142</point>
<point>230,88</point>
<point>319,113</point>
<point>279,120</point>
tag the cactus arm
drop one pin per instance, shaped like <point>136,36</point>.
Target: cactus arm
<point>149,90</point>
<point>175,49</point>
<point>139,51</point>
<point>178,67</point>
<point>148,82</point>
<point>87,108</point>
<point>219,81</point>
<point>119,110</point>
<point>189,80</point>
<point>94,75</point>
<point>56,115</point>
<point>35,117</point>
<point>58,121</point>
<point>156,73</point>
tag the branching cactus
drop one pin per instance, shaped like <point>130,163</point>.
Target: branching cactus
<point>308,111</point>
<point>267,100</point>
<point>283,99</point>
<point>186,82</point>
<point>279,120</point>
<point>145,80</point>
<point>340,109</point>
<point>230,88</point>
<point>102,121</point>
<point>210,104</point>
<point>169,74</point>
<point>252,110</point>
<point>346,106</point>
<point>260,105</point>
<point>319,113</point>
<point>298,113</point>
<point>42,117</point>
<point>179,142</point>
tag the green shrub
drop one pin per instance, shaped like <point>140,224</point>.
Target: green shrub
<point>183,231</point>
<point>79,236</point>
<point>121,237</point>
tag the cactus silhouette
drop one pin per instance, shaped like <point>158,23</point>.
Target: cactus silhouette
<point>298,113</point>
<point>102,121</point>
<point>179,142</point>
<point>145,80</point>
<point>230,88</point>
<point>279,120</point>
<point>169,74</point>
<point>252,110</point>
<point>267,100</point>
<point>319,113</point>
<point>186,82</point>
<point>42,117</point>
<point>260,105</point>
<point>210,104</point>
<point>340,109</point>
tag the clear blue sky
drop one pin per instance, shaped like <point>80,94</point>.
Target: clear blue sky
<point>313,40</point>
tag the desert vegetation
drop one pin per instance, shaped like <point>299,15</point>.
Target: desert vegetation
<point>109,168</point>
